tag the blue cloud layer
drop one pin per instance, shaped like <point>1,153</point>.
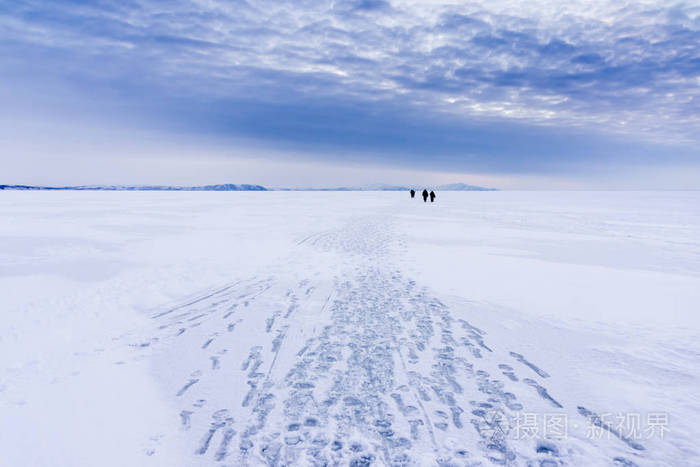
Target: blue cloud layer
<point>499,86</point>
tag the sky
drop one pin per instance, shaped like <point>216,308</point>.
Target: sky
<point>594,94</point>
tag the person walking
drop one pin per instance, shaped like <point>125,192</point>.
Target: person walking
<point>425,196</point>
<point>413,193</point>
<point>432,196</point>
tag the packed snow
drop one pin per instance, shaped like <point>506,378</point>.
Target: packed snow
<point>351,328</point>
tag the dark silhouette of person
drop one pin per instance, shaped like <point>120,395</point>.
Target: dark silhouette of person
<point>432,196</point>
<point>413,193</point>
<point>425,196</point>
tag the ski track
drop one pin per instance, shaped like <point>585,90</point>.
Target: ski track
<point>386,375</point>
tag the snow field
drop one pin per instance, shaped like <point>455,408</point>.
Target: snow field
<point>353,328</point>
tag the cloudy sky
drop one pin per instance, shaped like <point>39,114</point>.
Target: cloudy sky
<point>506,93</point>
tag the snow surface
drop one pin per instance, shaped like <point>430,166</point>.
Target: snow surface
<point>245,328</point>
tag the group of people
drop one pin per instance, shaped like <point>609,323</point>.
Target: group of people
<point>425,195</point>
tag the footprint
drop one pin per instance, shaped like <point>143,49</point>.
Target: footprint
<point>534,368</point>
<point>207,343</point>
<point>542,392</point>
<point>508,371</point>
<point>187,386</point>
<point>185,419</point>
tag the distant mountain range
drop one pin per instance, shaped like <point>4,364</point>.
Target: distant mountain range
<point>381,187</point>
<point>463,187</point>
<point>232,187</point>
<point>224,187</point>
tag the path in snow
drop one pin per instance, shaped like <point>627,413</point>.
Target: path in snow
<point>365,367</point>
<point>339,328</point>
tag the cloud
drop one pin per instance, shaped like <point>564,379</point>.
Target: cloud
<point>432,79</point>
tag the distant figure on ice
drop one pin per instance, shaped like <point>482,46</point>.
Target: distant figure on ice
<point>425,196</point>
<point>413,193</point>
<point>432,196</point>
